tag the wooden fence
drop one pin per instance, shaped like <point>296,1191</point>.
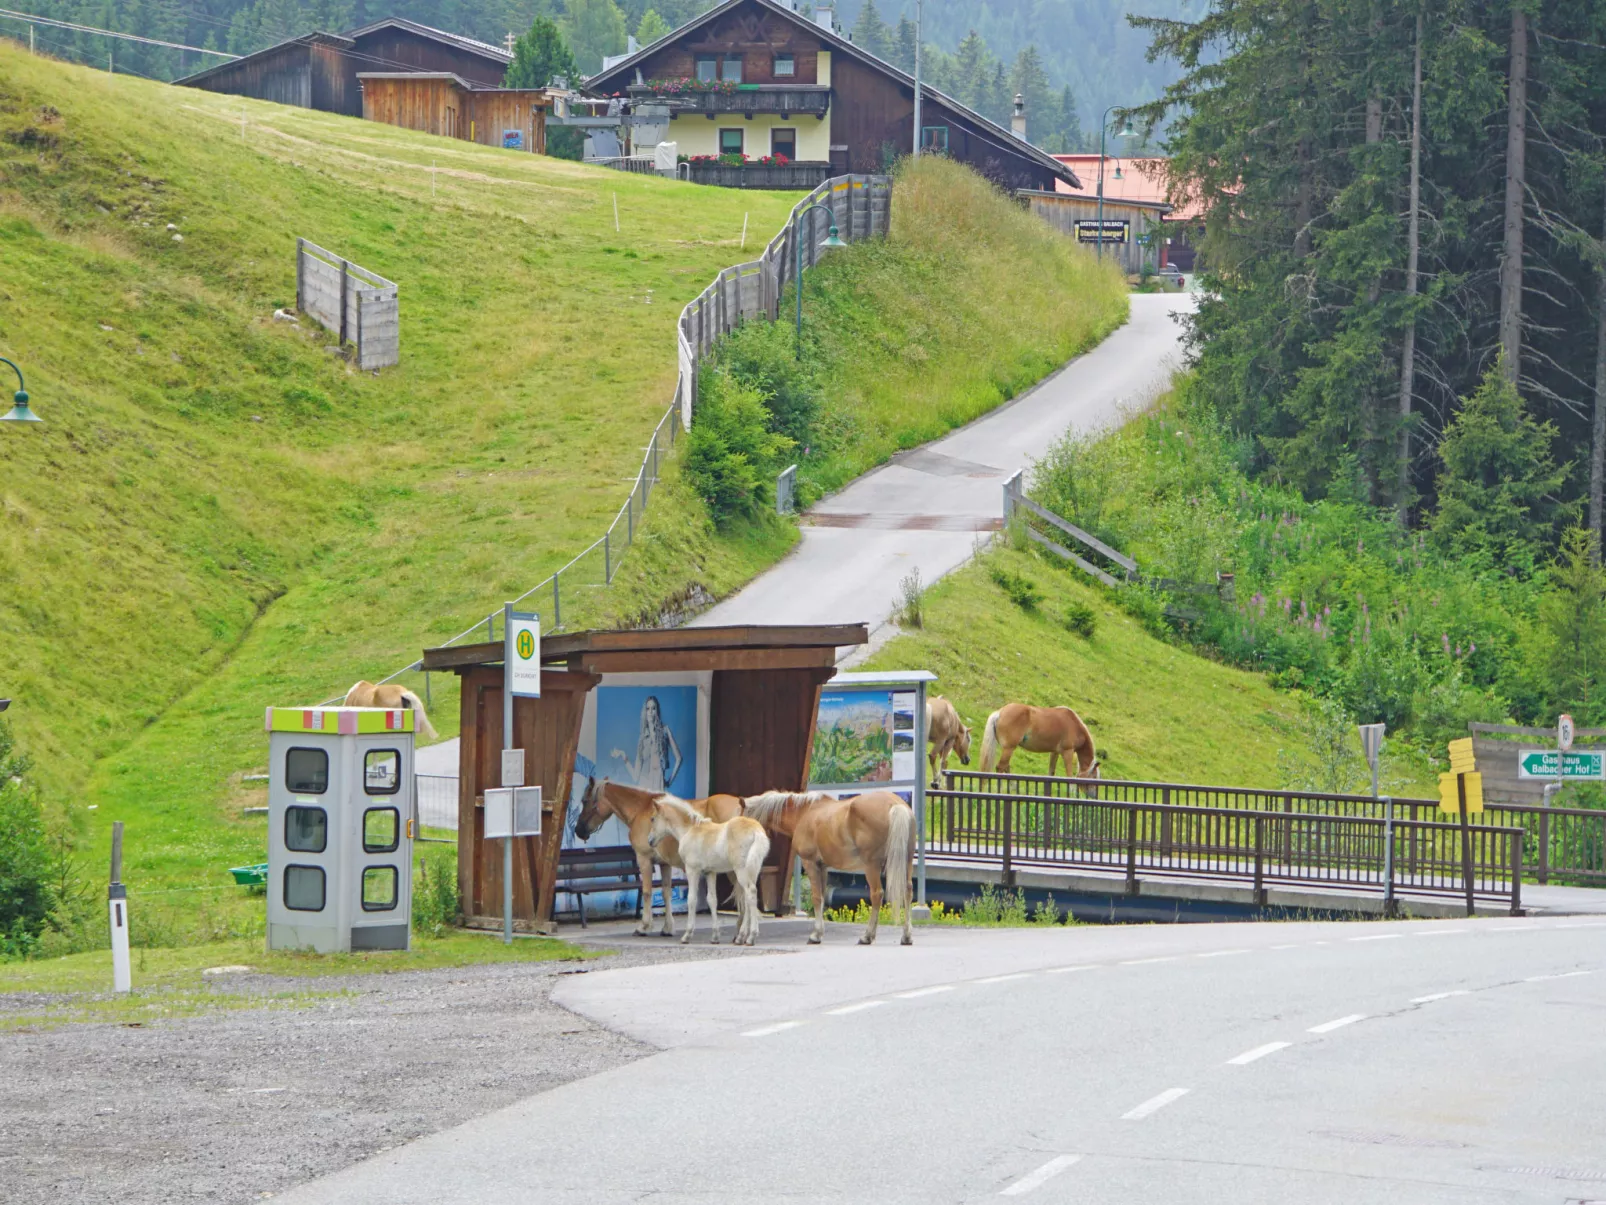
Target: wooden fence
<point>361,307</point>
<point>861,207</point>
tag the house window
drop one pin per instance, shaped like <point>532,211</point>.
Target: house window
<point>731,70</point>
<point>708,69</point>
<point>783,141</point>
<point>730,142</point>
<point>934,138</point>
<point>784,65</point>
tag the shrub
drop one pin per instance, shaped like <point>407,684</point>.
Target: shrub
<point>760,356</point>
<point>1081,619</point>
<point>435,891</point>
<point>1021,591</point>
<point>910,603</point>
<point>28,869</point>
<point>731,454</point>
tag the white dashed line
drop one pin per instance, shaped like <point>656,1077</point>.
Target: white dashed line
<point>1562,975</point>
<point>1091,966</point>
<point>1154,1104</point>
<point>1005,978</point>
<point>853,1008</point>
<point>1220,953</point>
<point>1141,962</point>
<point>1439,932</point>
<point>1290,946</point>
<point>1329,1026</point>
<point>1376,937</point>
<point>1259,1052</point>
<point>766,1030</point>
<point>1041,1176</point>
<point>1435,996</point>
<point>925,991</point>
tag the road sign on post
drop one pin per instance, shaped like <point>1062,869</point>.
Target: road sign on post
<point>1564,733</point>
<point>524,666</point>
<point>1580,765</point>
<point>1372,746</point>
<point>521,678</point>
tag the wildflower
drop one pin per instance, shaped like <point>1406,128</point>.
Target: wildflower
<point>1445,641</point>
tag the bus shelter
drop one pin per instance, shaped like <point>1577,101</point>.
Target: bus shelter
<point>691,711</point>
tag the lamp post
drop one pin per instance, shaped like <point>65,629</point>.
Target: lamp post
<point>1126,132</point>
<point>831,240</point>
<point>19,412</point>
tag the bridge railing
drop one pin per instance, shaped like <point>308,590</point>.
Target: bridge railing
<point>1247,844</point>
<point>1559,844</point>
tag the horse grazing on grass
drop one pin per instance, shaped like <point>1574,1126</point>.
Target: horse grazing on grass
<point>947,734</point>
<point>634,807</point>
<point>872,833</point>
<point>706,847</point>
<point>392,696</point>
<point>1056,731</point>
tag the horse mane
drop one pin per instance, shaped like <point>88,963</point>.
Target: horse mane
<point>772,805</point>
<point>676,803</point>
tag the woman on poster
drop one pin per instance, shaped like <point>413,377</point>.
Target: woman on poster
<point>658,756</point>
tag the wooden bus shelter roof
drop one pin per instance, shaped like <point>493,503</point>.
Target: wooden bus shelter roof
<point>746,646</point>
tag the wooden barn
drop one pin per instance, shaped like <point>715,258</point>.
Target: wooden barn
<point>736,705</point>
<point>754,78</point>
<point>319,70</point>
<point>1133,231</point>
<point>439,102</point>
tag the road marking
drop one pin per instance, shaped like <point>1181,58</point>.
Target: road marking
<point>1594,924</point>
<point>1562,975</point>
<point>1139,962</point>
<point>1435,996</point>
<point>1219,953</point>
<point>1329,1026</point>
<point>1091,966</point>
<point>1290,946</point>
<point>1154,1104</point>
<point>766,1030</point>
<point>1041,1176</point>
<point>1259,1052</point>
<point>1005,978</point>
<point>853,1008</point>
<point>1438,932</point>
<point>1376,937</point>
<point>925,991</point>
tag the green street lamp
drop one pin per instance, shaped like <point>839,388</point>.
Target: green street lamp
<point>19,413</point>
<point>1125,132</point>
<point>831,240</point>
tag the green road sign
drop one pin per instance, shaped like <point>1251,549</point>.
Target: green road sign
<point>1578,766</point>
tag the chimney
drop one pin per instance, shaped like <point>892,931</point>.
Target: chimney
<point>823,17</point>
<point>1017,121</point>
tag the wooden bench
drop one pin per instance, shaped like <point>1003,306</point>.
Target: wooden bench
<point>582,872</point>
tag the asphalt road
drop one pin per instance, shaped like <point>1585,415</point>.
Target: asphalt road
<point>1423,1062</point>
<point>927,507</point>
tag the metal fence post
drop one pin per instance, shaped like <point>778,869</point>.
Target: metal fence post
<point>1132,849</point>
<point>607,561</point>
<point>557,602</point>
<point>301,257</point>
<point>1008,806</point>
<point>1260,860</point>
<point>345,278</point>
<point>1466,841</point>
<point>1516,872</point>
<point>1544,833</point>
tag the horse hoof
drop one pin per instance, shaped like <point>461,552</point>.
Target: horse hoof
<point>642,931</point>
<point>814,939</point>
<point>666,932</point>
<point>866,940</point>
<point>907,940</point>
<point>685,939</point>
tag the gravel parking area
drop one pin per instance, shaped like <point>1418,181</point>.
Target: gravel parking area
<point>236,1106</point>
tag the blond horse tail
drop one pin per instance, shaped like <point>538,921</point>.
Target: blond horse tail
<point>425,728</point>
<point>899,861</point>
<point>989,745</point>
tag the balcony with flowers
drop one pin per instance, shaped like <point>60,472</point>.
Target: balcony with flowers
<point>689,94</point>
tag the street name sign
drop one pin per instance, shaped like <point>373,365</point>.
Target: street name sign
<point>1578,765</point>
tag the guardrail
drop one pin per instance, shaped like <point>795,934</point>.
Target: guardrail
<point>1559,844</point>
<point>1309,849</point>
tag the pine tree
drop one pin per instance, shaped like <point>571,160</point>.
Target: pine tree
<point>1043,109</point>
<point>871,33</point>
<point>903,45</point>
<point>540,56</point>
<point>593,28</point>
<point>651,27</point>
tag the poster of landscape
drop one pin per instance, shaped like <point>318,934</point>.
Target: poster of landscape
<point>852,738</point>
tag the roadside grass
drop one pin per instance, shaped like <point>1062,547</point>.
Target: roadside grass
<point>991,908</point>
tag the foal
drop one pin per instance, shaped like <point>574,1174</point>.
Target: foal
<point>707,847</point>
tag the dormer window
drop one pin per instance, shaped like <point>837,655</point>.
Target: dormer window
<point>785,65</point>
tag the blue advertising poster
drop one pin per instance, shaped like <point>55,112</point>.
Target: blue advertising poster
<point>647,737</point>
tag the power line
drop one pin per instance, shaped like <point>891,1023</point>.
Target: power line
<point>109,33</point>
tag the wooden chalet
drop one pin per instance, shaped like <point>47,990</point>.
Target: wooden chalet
<point>755,78</point>
<point>441,102</point>
<point>320,70</point>
<point>745,698</point>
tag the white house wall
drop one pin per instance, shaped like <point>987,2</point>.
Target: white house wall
<point>694,134</point>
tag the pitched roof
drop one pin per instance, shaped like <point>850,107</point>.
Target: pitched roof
<point>837,42</point>
<point>438,35</point>
<point>306,39</point>
<point>467,85</point>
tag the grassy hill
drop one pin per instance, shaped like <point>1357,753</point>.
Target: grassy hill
<point>220,512</point>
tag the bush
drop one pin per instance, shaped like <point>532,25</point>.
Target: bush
<point>732,456</point>
<point>909,606</point>
<point>760,356</point>
<point>1081,619</point>
<point>1021,591</point>
<point>28,867</point>
<point>435,891</point>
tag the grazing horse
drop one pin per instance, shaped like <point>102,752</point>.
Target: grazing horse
<point>392,696</point>
<point>872,833</point>
<point>947,734</point>
<point>1056,731</point>
<point>707,847</point>
<point>634,807</point>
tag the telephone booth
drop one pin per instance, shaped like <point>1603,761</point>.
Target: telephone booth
<point>340,828</point>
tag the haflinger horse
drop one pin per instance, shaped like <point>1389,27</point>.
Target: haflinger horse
<point>706,848</point>
<point>872,833</point>
<point>634,807</point>
<point>947,734</point>
<point>392,696</point>
<point>1056,731</point>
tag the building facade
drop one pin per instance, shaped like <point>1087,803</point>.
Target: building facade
<point>447,104</point>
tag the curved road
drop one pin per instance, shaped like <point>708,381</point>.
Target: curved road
<point>926,507</point>
<point>1262,1063</point>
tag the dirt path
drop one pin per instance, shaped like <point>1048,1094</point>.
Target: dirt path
<point>236,1106</point>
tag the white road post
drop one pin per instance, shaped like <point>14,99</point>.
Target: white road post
<point>117,904</point>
